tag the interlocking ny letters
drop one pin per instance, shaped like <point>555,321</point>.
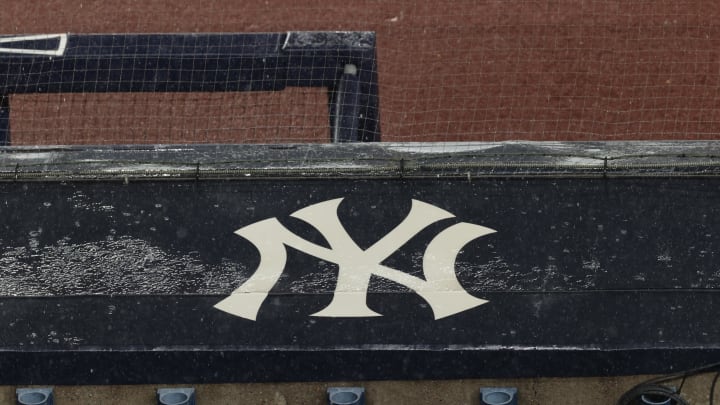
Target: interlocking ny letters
<point>441,288</point>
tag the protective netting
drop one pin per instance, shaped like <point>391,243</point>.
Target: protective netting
<point>462,70</point>
<point>290,116</point>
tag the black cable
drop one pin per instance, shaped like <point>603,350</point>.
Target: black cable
<point>687,373</point>
<point>654,386</point>
<point>682,383</point>
<point>712,387</point>
<point>632,397</point>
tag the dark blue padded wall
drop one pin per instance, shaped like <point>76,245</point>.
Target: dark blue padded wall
<point>343,62</point>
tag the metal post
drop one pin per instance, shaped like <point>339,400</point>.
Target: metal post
<point>4,119</point>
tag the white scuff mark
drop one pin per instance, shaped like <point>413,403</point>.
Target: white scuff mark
<point>31,156</point>
<point>287,39</point>
<point>582,161</point>
<point>591,265</point>
<point>390,347</point>
<point>129,266</point>
<point>440,147</point>
<point>664,258</point>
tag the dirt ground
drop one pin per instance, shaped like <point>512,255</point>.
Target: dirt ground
<point>585,391</point>
<point>461,70</point>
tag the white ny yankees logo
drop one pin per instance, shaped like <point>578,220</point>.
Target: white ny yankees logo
<point>441,288</point>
